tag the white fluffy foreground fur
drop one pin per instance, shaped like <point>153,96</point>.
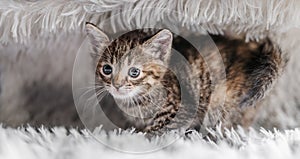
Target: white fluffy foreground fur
<point>28,143</point>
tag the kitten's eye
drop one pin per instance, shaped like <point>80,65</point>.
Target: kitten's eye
<point>134,72</point>
<point>107,70</point>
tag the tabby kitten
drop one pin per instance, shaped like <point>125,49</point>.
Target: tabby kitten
<point>137,72</point>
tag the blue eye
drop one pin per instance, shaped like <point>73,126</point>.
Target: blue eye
<point>107,70</point>
<point>134,72</point>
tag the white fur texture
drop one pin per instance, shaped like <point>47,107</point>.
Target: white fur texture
<point>22,21</point>
<point>28,143</point>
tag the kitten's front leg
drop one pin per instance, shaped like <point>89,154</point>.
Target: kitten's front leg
<point>163,119</point>
<point>176,118</point>
<point>158,122</point>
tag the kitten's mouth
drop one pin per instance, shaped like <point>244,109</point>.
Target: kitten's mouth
<point>122,93</point>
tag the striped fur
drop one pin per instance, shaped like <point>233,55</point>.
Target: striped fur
<point>158,101</point>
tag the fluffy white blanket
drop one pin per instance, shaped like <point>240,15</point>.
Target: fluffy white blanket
<point>58,143</point>
<point>22,21</point>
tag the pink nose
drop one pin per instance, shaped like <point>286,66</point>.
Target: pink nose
<point>117,86</point>
<point>118,83</point>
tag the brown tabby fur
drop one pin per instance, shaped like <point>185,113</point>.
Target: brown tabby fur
<point>251,69</point>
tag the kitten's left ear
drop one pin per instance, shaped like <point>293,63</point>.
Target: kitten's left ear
<point>98,39</point>
<point>160,45</point>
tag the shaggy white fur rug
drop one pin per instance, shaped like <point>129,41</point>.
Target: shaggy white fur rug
<point>60,143</point>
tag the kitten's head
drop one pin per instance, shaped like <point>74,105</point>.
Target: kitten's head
<point>131,65</point>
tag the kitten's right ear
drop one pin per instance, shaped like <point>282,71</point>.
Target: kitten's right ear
<point>98,39</point>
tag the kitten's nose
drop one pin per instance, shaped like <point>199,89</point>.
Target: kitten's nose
<point>117,86</point>
<point>118,83</point>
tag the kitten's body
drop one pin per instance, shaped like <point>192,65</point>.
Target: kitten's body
<point>250,68</point>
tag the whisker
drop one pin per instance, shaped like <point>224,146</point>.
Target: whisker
<point>97,92</point>
<point>86,92</point>
<point>88,106</point>
<point>102,95</point>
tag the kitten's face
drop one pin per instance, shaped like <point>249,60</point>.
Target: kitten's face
<point>130,68</point>
<point>130,76</point>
